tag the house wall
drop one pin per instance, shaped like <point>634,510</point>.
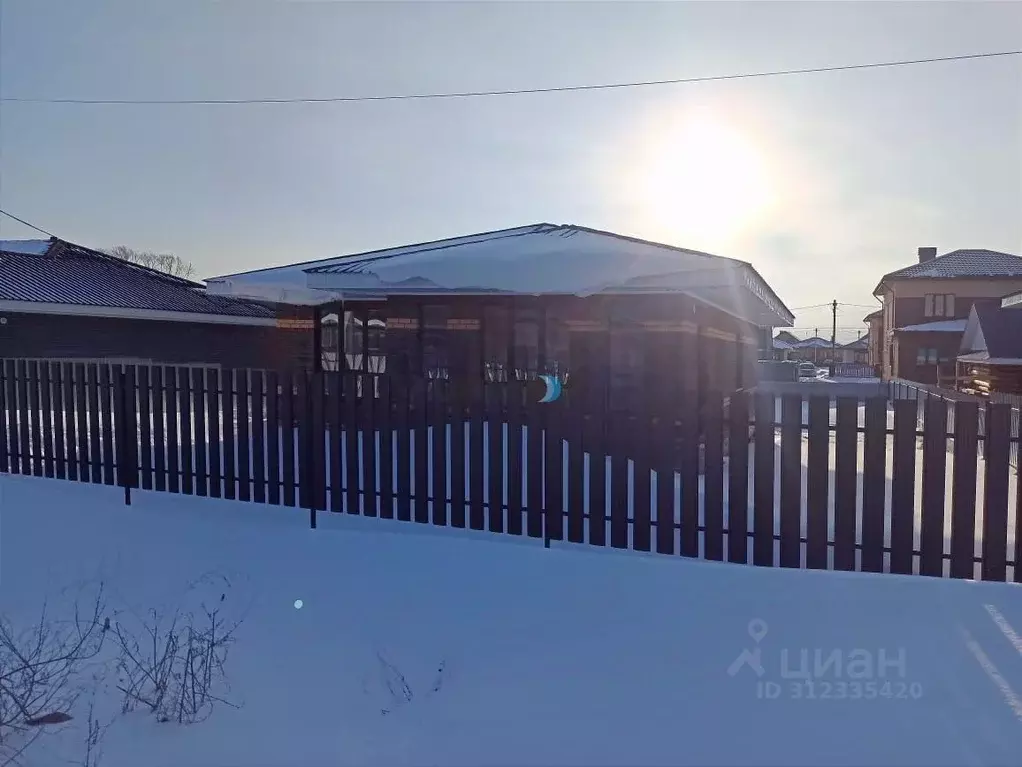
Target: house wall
<point>874,356</point>
<point>907,365</point>
<point>976,287</point>
<point>634,344</point>
<point>47,336</point>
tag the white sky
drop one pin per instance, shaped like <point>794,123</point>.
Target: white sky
<point>824,182</point>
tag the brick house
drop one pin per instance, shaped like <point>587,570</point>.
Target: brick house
<point>926,307</point>
<point>61,301</point>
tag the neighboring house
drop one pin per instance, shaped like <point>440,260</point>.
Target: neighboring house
<point>821,351</point>
<point>990,358</point>
<point>781,346</point>
<point>816,350</point>
<point>61,301</point>
<point>781,349</point>
<point>926,306</point>
<point>856,352</point>
<point>875,339</point>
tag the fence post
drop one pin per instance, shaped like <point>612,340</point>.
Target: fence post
<point>307,474</point>
<point>126,432</point>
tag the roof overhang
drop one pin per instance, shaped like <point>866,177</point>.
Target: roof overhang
<point>114,312</point>
<point>738,291</point>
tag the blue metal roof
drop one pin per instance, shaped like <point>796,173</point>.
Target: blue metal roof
<point>65,273</point>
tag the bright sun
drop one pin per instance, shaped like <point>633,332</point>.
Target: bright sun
<point>699,179</point>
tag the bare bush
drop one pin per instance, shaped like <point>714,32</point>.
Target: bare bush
<point>177,670</point>
<point>42,672</point>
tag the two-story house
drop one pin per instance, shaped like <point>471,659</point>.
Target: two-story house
<point>926,307</point>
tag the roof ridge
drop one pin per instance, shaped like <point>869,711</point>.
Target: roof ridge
<point>406,250</point>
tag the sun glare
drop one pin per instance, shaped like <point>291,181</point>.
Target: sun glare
<point>700,179</point>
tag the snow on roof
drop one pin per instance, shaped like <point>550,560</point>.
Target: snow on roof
<point>939,326</point>
<point>536,259</point>
<point>550,260</point>
<point>25,247</point>
<point>541,258</point>
<point>294,274</point>
<point>813,343</point>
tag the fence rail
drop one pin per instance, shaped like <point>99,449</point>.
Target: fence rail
<point>793,481</point>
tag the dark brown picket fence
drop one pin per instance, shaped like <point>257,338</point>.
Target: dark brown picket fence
<point>790,481</point>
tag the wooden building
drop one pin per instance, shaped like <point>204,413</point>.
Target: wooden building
<point>584,305</point>
<point>990,358</point>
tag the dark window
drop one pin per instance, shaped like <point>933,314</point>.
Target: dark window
<point>435,341</point>
<point>526,343</point>
<point>557,345</point>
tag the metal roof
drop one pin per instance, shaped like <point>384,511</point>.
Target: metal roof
<point>361,263</point>
<point>813,343</point>
<point>65,273</point>
<point>970,262</point>
<point>551,259</point>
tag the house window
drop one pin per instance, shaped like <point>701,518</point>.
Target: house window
<point>925,356</point>
<point>939,305</point>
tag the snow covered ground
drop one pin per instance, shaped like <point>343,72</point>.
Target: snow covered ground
<point>487,650</point>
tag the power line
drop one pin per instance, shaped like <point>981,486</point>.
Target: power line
<point>523,91</point>
<point>828,305</point>
<point>30,226</point>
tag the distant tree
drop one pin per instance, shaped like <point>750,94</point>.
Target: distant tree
<point>161,262</point>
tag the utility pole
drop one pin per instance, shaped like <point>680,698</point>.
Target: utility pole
<point>833,336</point>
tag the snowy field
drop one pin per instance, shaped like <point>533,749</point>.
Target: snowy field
<point>418,646</point>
